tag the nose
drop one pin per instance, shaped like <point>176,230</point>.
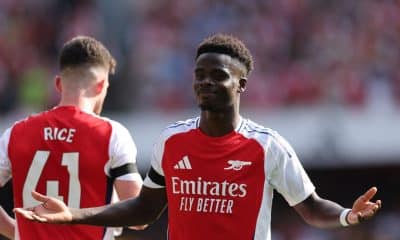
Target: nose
<point>207,81</point>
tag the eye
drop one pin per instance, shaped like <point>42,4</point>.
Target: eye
<point>219,75</point>
<point>199,75</point>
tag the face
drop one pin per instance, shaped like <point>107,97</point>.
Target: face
<point>218,82</point>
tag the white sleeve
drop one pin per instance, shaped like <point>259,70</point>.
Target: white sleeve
<point>5,165</point>
<point>155,176</point>
<point>156,157</point>
<point>122,152</point>
<point>286,174</point>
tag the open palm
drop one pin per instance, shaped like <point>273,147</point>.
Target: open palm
<point>51,210</point>
<point>363,208</point>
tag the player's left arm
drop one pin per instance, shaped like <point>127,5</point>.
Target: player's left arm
<point>6,224</point>
<point>123,168</point>
<point>129,189</point>
<point>289,178</point>
<point>324,213</point>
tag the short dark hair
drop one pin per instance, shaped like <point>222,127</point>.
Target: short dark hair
<point>82,50</point>
<point>227,44</point>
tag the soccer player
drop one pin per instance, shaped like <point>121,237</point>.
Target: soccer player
<point>217,172</point>
<point>70,152</point>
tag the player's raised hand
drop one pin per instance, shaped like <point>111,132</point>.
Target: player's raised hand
<point>51,210</point>
<point>364,208</point>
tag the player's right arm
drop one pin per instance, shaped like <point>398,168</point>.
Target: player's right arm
<point>144,209</point>
<point>6,224</point>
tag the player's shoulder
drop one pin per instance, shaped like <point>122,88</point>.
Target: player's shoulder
<point>73,115</point>
<point>86,119</point>
<point>183,124</point>
<point>24,126</point>
<point>272,138</point>
<point>113,123</point>
<point>251,127</point>
<point>117,128</point>
<point>30,119</point>
<point>262,133</point>
<point>180,127</point>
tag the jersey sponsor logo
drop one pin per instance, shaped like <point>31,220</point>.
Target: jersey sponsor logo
<point>237,165</point>
<point>184,163</point>
<point>207,196</point>
<point>208,188</point>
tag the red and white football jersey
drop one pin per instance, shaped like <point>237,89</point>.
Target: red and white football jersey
<point>69,154</point>
<point>222,187</point>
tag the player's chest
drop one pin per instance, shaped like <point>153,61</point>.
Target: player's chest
<point>213,177</point>
<point>214,161</point>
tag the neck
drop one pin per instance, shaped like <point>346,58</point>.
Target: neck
<point>82,103</point>
<point>216,124</point>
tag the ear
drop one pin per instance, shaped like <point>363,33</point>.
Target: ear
<point>242,84</point>
<point>58,84</point>
<point>99,86</point>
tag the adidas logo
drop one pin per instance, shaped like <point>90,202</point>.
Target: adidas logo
<point>184,163</point>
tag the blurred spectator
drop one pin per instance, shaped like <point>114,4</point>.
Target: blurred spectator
<point>308,52</point>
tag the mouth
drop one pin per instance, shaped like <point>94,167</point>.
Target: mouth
<point>206,92</point>
<point>206,95</point>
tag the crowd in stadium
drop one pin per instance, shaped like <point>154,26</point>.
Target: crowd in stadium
<point>307,53</point>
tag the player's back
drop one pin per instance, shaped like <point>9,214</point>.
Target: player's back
<point>62,153</point>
